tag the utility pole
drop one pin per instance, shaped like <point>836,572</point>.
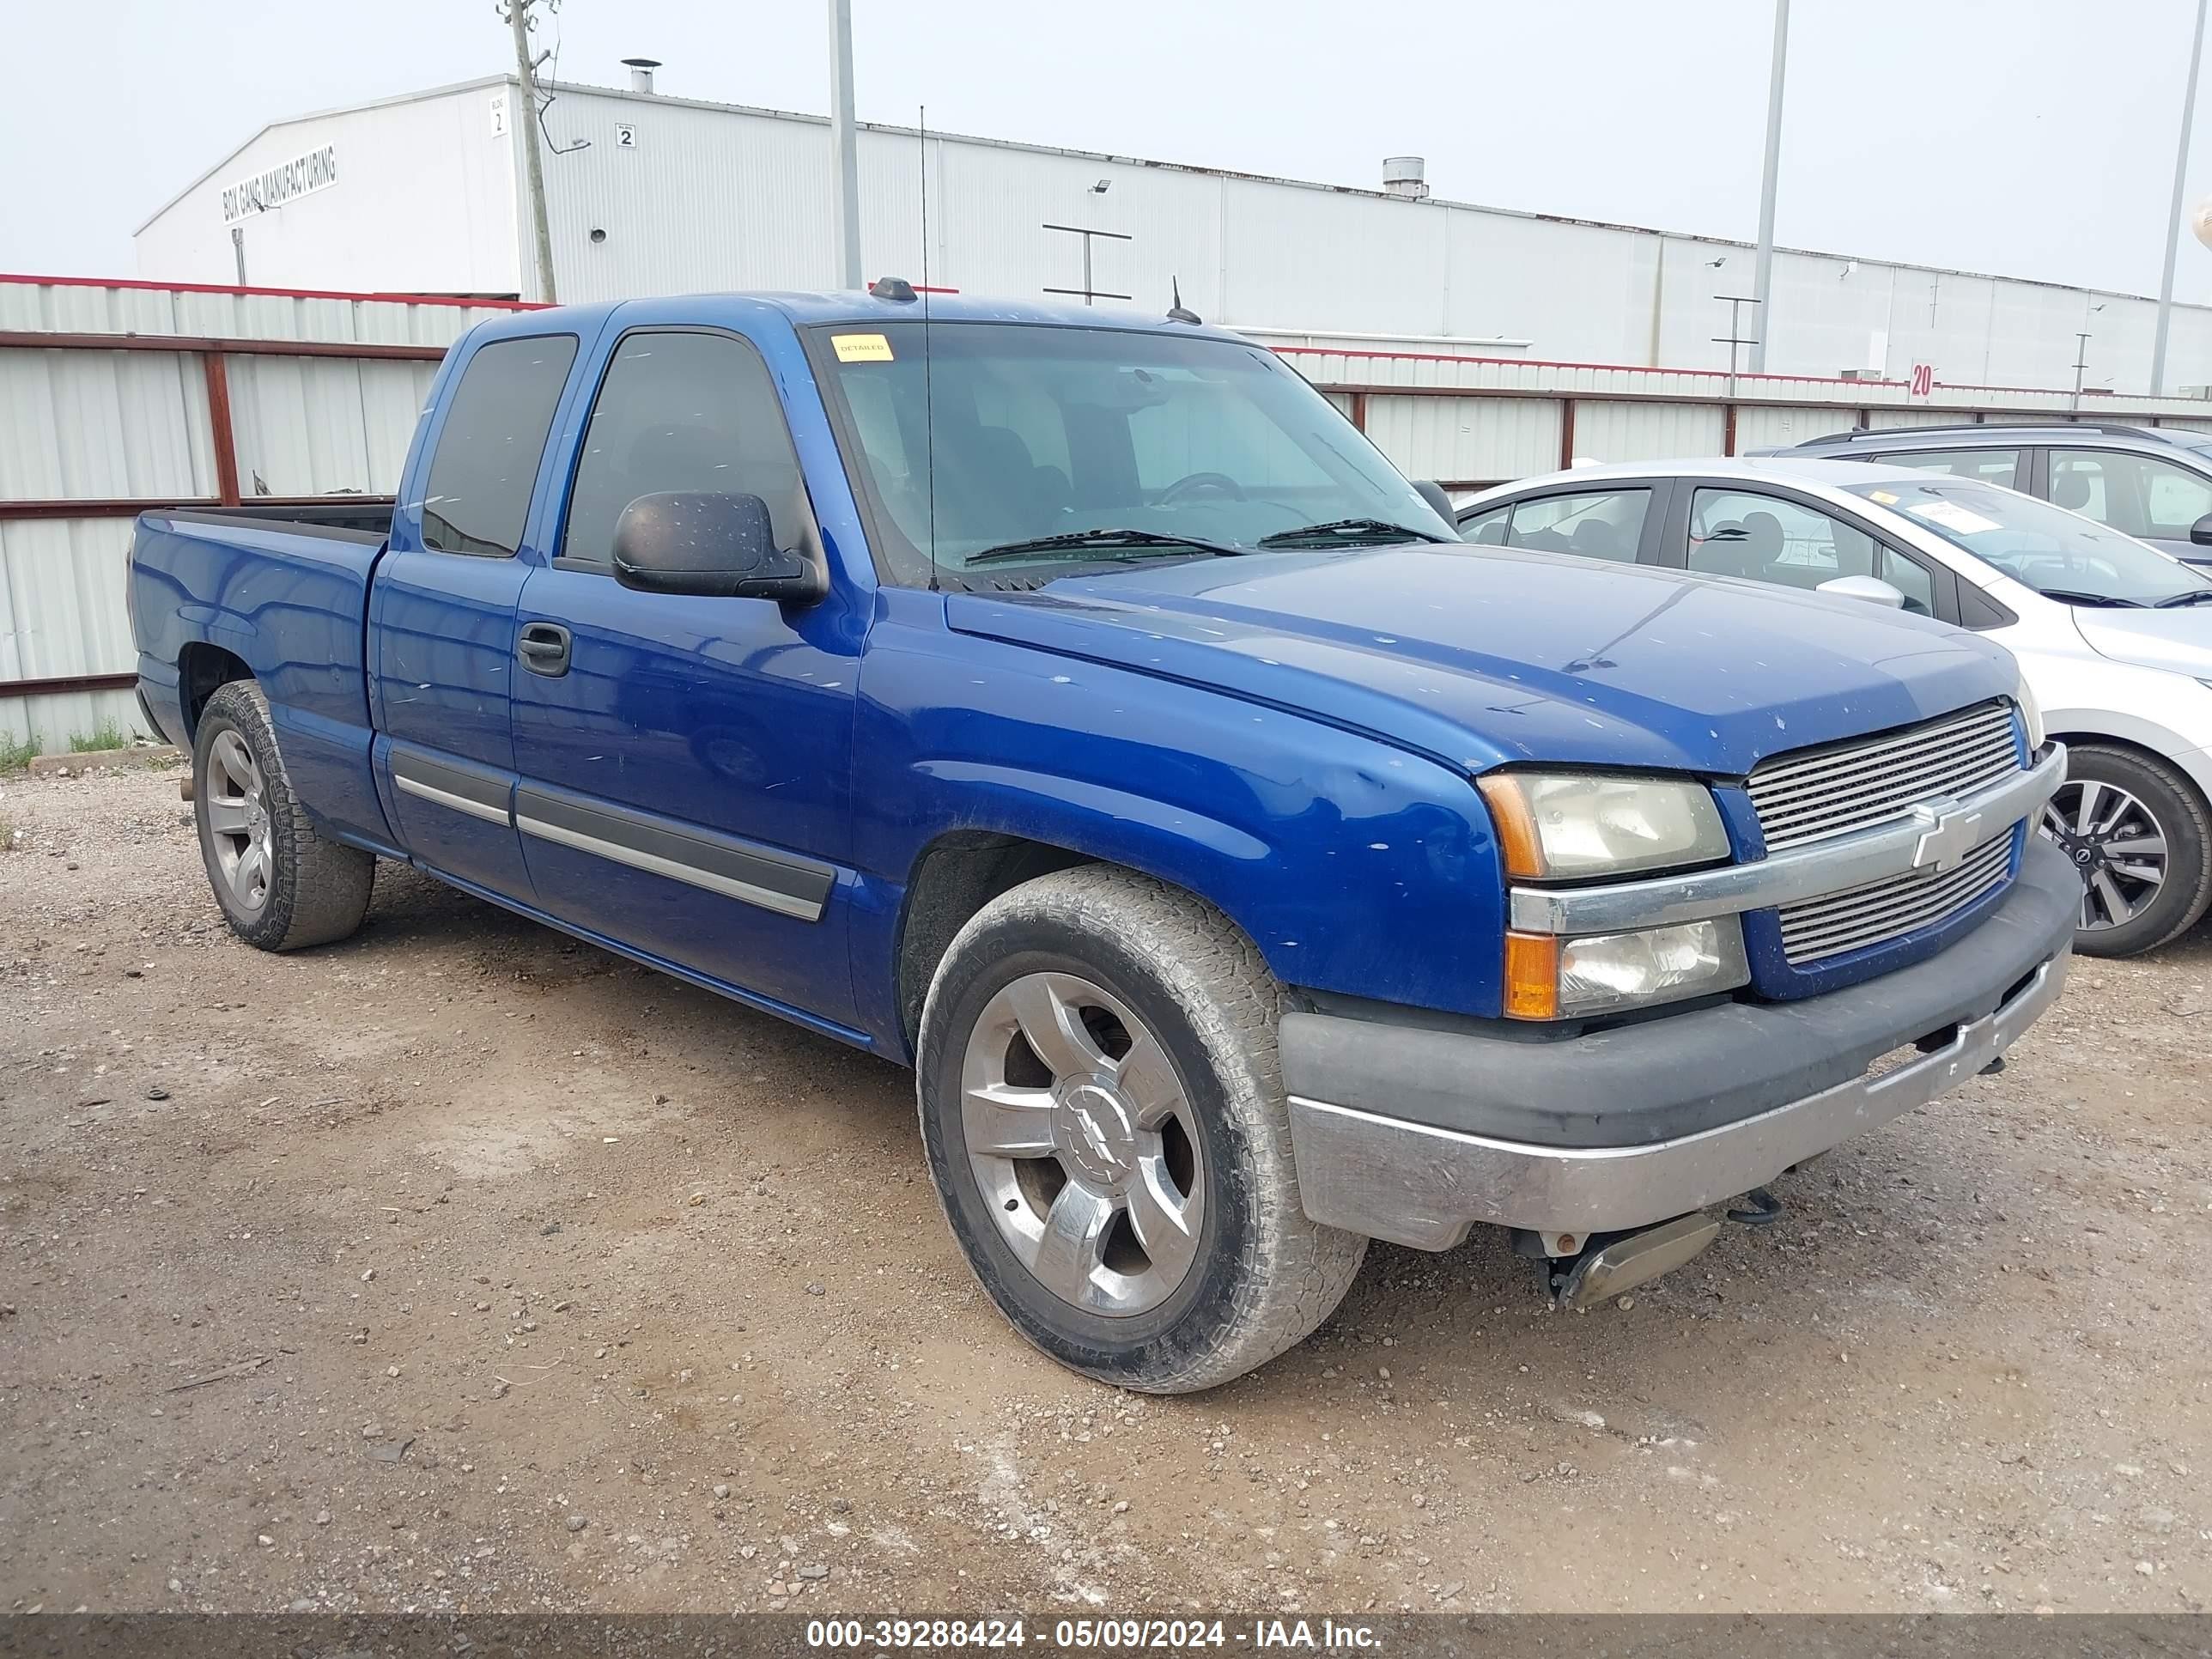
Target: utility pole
<point>2081,363</point>
<point>1762,281</point>
<point>844,150</point>
<point>2173,213</point>
<point>517,13</point>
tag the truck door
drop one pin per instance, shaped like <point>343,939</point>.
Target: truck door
<point>684,762</point>
<point>441,614</point>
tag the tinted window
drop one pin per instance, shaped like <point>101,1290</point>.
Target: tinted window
<point>1996,467</point>
<point>1734,533</point>
<point>489,447</point>
<point>2134,494</point>
<point>1598,525</point>
<point>679,411</point>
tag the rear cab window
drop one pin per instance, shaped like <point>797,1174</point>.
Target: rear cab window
<point>485,465</point>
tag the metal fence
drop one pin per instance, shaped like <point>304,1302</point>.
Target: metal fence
<point>118,396</point>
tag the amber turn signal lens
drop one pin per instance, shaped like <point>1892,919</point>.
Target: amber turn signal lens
<point>1517,840</point>
<point>1532,976</point>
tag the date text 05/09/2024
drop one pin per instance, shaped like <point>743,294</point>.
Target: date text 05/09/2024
<point>1103,1635</point>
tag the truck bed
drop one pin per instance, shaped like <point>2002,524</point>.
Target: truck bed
<point>284,591</point>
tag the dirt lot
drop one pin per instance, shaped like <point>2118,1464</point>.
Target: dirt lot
<point>461,1266</point>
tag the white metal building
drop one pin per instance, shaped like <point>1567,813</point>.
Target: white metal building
<point>648,194</point>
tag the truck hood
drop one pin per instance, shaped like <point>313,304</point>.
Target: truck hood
<point>1479,658</point>
<point>2178,639</point>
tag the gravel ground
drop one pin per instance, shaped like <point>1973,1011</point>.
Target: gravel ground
<point>460,1265</point>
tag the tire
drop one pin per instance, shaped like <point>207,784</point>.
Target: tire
<point>2114,807</point>
<point>280,885</point>
<point>1204,1264</point>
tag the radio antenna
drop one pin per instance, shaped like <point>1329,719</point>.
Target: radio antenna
<point>929,387</point>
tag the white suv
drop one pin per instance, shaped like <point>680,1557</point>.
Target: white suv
<point>2114,638</point>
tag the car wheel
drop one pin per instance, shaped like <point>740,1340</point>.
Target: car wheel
<point>281,884</point>
<point>2139,838</point>
<point>1103,1111</point>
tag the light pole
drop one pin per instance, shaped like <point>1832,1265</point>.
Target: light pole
<point>1762,278</point>
<point>2174,212</point>
<point>844,154</point>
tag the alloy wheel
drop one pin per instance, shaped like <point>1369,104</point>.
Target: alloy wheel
<point>1084,1144</point>
<point>2117,845</point>
<point>238,821</point>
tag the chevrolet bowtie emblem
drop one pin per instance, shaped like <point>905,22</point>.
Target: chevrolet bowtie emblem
<point>1949,832</point>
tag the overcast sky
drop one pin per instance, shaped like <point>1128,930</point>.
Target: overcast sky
<point>2031,138</point>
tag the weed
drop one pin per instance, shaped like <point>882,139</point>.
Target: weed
<point>105,735</point>
<point>15,753</point>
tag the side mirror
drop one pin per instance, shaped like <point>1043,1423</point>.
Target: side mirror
<point>1433,493</point>
<point>1870,589</point>
<point>712,545</point>
<point>2200,533</point>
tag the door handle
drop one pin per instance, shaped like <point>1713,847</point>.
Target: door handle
<point>544,648</point>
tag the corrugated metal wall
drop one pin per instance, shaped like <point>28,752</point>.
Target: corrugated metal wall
<point>102,426</point>
<point>109,425</point>
<point>1276,253</point>
<point>633,171</point>
<point>1467,439</point>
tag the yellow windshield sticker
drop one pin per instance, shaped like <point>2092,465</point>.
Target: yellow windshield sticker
<point>861,348</point>
<point>1882,496</point>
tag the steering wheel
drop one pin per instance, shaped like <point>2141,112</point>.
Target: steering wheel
<point>1220,483</point>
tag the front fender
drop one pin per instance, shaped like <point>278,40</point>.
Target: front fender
<point>1354,867</point>
<point>2183,748</point>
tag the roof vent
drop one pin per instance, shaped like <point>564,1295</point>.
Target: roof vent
<point>1406,176</point>
<point>640,72</point>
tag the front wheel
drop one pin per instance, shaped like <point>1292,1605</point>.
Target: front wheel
<point>2139,840</point>
<point>1104,1115</point>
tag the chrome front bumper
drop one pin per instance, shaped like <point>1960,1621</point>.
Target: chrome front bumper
<point>1423,1186</point>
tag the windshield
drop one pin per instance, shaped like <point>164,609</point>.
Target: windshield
<point>2044,547</point>
<point>1041,431</point>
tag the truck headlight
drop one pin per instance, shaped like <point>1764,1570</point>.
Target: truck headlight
<point>2030,713</point>
<point>1550,978</point>
<point>1560,825</point>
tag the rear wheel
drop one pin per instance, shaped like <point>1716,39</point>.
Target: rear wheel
<point>2140,841</point>
<point>1104,1115</point>
<point>281,884</point>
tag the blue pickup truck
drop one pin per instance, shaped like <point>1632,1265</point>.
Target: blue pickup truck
<point>1079,709</point>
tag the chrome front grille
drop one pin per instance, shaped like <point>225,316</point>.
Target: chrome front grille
<point>1815,793</point>
<point>1884,909</point>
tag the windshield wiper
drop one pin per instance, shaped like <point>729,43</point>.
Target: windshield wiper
<point>2193,596</point>
<point>2068,596</point>
<point>1090,538</point>
<point>1348,531</point>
